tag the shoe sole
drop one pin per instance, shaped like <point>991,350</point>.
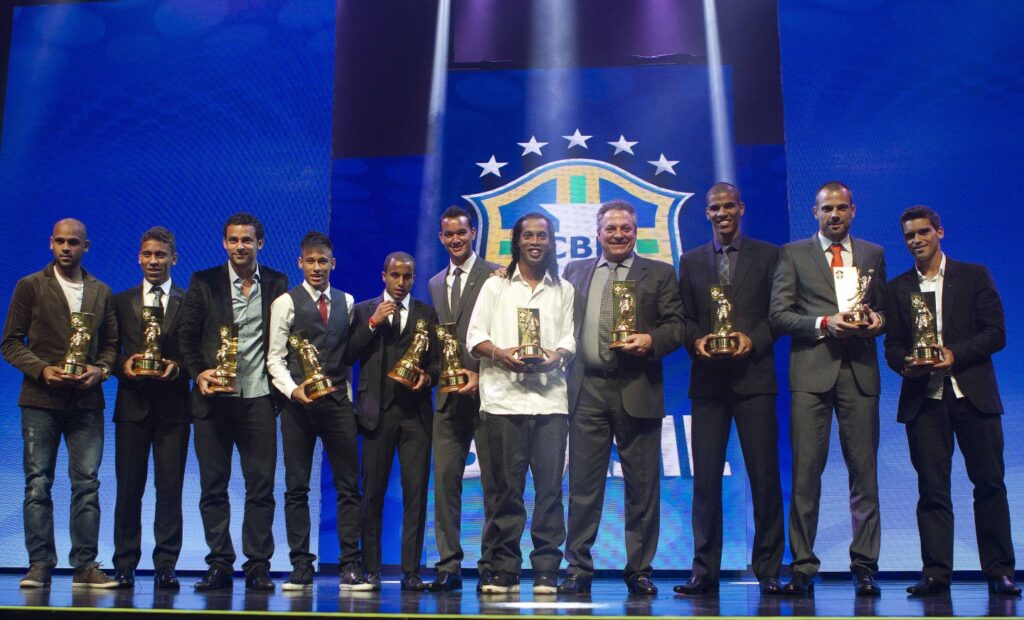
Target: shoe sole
<point>98,586</point>
<point>30,583</point>
<point>545,589</point>
<point>296,586</point>
<point>492,589</point>
<point>357,587</point>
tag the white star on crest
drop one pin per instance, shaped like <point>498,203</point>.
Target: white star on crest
<point>532,146</point>
<point>623,145</point>
<point>663,165</point>
<point>493,167</point>
<point>577,139</point>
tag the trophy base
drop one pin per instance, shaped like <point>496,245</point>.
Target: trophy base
<point>148,368</point>
<point>723,345</point>
<point>319,389</point>
<point>406,376</point>
<point>530,354</point>
<point>72,368</point>
<point>923,356</point>
<point>618,339</point>
<point>857,318</point>
<point>226,386</point>
<point>451,383</point>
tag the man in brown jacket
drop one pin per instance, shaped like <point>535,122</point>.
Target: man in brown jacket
<point>55,403</point>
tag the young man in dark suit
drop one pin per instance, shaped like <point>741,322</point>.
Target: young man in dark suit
<point>55,403</point>
<point>394,417</point>
<point>454,291</point>
<point>736,387</point>
<point>151,413</point>
<point>956,398</point>
<point>618,394</point>
<point>236,293</point>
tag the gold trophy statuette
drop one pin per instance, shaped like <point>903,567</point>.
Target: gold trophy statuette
<point>926,350</point>
<point>721,343</point>
<point>316,383</point>
<point>227,361</point>
<point>623,312</point>
<point>77,355</point>
<point>406,370</point>
<point>529,351</point>
<point>149,365</point>
<point>858,313</point>
<point>452,378</point>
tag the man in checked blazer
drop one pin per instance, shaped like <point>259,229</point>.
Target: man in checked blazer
<point>833,365</point>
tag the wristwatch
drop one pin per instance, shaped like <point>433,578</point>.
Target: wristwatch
<point>104,371</point>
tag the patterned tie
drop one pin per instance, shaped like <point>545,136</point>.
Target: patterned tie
<point>837,256</point>
<point>453,304</point>
<point>604,325</point>
<point>723,265</point>
<point>323,308</point>
<point>158,294</point>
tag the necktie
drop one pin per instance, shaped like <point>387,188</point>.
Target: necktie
<point>158,294</point>
<point>456,299</point>
<point>837,256</point>
<point>323,308</point>
<point>396,318</point>
<point>723,265</point>
<point>604,325</point>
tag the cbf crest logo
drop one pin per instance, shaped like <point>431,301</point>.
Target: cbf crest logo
<point>570,191</point>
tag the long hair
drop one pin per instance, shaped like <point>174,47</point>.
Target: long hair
<point>550,261</point>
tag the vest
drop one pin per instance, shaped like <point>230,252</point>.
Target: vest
<point>329,341</point>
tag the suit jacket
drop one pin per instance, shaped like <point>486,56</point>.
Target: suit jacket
<point>659,313</point>
<point>368,348</point>
<point>752,291</point>
<point>973,329</point>
<point>803,290</point>
<point>206,308</point>
<point>135,399</point>
<point>460,316</point>
<point>36,336</point>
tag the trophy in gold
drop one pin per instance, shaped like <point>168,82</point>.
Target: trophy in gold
<point>452,377</point>
<point>623,312</point>
<point>721,343</point>
<point>926,350</point>
<point>150,364</point>
<point>226,374</point>
<point>858,312</point>
<point>407,370</point>
<point>77,354</point>
<point>315,384</point>
<point>529,351</point>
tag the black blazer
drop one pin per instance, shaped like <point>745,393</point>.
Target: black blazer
<point>659,313</point>
<point>752,294</point>
<point>135,399</point>
<point>367,347</point>
<point>973,329</point>
<point>207,306</point>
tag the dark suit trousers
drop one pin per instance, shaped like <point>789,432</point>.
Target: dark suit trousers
<point>980,437</point>
<point>402,429</point>
<point>598,419</point>
<point>133,441</point>
<point>454,429</point>
<point>810,428</point>
<point>335,424</point>
<point>518,443</point>
<point>758,431</point>
<point>250,424</point>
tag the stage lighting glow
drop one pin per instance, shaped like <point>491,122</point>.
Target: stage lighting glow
<point>724,167</point>
<point>429,198</point>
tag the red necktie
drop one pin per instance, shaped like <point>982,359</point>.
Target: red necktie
<point>837,257</point>
<point>323,308</point>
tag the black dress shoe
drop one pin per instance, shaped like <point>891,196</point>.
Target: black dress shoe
<point>927,586</point>
<point>259,580</point>
<point>1003,585</point>
<point>165,579</point>
<point>125,578</point>
<point>411,582</point>
<point>697,586</point>
<point>575,585</point>
<point>641,584</point>
<point>486,576</point>
<point>216,578</point>
<point>770,586</point>
<point>446,581</point>
<point>799,585</point>
<point>864,584</point>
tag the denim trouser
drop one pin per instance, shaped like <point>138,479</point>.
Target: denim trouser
<point>41,430</point>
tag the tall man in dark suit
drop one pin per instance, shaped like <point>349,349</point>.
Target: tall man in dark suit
<point>151,413</point>
<point>55,403</point>
<point>453,291</point>
<point>393,417</point>
<point>239,293</point>
<point>739,387</point>
<point>617,395</point>
<point>833,365</point>
<point>955,398</point>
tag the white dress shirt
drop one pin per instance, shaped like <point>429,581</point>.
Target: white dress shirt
<point>503,392</point>
<point>934,285</point>
<point>449,279</point>
<point>847,255</point>
<point>149,299</point>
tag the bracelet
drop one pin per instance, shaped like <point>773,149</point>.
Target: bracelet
<point>824,325</point>
<point>373,324</point>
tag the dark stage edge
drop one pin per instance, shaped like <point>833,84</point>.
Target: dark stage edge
<point>833,598</point>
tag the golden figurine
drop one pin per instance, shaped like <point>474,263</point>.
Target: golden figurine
<point>623,312</point>
<point>721,343</point>
<point>407,370</point>
<point>77,355</point>
<point>452,377</point>
<point>926,350</point>
<point>315,384</point>
<point>227,361</point>
<point>529,351</point>
<point>858,312</point>
<point>150,364</point>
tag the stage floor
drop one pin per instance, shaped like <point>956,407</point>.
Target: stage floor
<point>738,597</point>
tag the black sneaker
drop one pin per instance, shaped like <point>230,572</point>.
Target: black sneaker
<point>93,577</point>
<point>502,583</point>
<point>301,578</point>
<point>351,579</point>
<point>38,576</point>
<point>486,576</point>
<point>545,583</point>
<point>373,579</point>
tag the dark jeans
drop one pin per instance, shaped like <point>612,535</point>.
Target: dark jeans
<point>334,423</point>
<point>250,424</point>
<point>41,430</point>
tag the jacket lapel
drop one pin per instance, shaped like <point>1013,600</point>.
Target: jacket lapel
<point>818,258</point>
<point>58,293</point>
<point>588,275</point>
<point>745,257</point>
<point>137,307</point>
<point>474,278</point>
<point>173,304</point>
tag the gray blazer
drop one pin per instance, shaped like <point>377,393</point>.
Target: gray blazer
<point>803,289</point>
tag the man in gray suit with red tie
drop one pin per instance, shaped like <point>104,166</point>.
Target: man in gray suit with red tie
<point>833,365</point>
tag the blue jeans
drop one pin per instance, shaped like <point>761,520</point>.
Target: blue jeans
<point>41,430</point>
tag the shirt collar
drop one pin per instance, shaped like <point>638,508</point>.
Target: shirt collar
<point>942,271</point>
<point>547,280</point>
<point>236,278</point>
<point>404,303</point>
<point>736,243</point>
<point>147,288</point>
<point>626,262</point>
<point>826,243</point>
<point>466,266</point>
<point>315,294</point>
